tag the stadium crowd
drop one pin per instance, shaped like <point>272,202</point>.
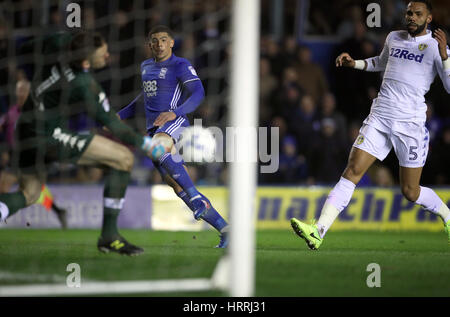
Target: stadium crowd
<point>317,108</point>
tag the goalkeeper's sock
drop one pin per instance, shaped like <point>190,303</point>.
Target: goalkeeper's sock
<point>211,216</point>
<point>337,200</point>
<point>109,226</point>
<point>10,203</point>
<point>431,202</point>
<point>116,183</point>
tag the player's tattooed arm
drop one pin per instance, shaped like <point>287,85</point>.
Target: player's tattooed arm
<point>441,38</point>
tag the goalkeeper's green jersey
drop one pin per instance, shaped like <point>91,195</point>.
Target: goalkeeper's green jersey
<point>60,91</point>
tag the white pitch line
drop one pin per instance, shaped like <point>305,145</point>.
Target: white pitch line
<point>8,276</point>
<point>124,287</point>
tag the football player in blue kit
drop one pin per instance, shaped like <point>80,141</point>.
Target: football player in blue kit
<point>171,89</point>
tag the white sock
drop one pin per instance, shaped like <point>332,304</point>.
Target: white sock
<point>337,200</point>
<point>4,211</point>
<point>328,215</point>
<point>431,202</point>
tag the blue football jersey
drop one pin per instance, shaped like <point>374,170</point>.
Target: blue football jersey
<point>163,83</point>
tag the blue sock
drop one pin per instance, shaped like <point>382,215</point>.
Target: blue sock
<point>193,198</point>
<point>211,216</point>
<point>160,169</point>
<point>178,173</point>
<point>184,197</point>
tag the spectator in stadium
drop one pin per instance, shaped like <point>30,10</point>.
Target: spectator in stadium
<point>24,14</point>
<point>438,171</point>
<point>56,19</point>
<point>171,90</point>
<point>271,50</point>
<point>8,120</point>
<point>304,123</point>
<point>89,18</point>
<point>293,166</point>
<point>289,51</point>
<point>352,15</point>
<point>267,82</point>
<point>280,123</point>
<point>326,158</point>
<point>310,75</point>
<point>328,110</point>
<point>390,16</point>
<point>43,136</point>
<point>355,105</point>
<point>287,95</point>
<point>382,176</point>
<point>433,123</point>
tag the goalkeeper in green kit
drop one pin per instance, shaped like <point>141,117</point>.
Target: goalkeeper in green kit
<point>63,88</point>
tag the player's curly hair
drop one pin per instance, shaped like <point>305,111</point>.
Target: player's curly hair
<point>159,29</point>
<point>82,45</point>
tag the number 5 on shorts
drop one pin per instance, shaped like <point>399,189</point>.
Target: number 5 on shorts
<point>413,154</point>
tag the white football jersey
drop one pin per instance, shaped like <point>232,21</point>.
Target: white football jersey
<point>410,65</point>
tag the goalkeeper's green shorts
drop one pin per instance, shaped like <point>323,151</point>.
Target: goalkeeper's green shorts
<point>35,152</point>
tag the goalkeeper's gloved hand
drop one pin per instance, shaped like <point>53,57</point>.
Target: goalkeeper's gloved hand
<point>153,149</point>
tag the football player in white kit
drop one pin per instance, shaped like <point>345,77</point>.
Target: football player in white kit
<point>410,59</point>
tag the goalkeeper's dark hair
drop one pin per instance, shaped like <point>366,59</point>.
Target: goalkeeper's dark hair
<point>160,29</point>
<point>82,45</point>
<point>426,2</point>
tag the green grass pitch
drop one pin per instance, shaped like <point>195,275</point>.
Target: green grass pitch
<point>412,263</point>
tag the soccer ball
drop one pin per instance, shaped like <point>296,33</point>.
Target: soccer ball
<point>197,144</point>
<point>159,147</point>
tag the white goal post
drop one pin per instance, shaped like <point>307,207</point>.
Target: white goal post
<point>243,174</point>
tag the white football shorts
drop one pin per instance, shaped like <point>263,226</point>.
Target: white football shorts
<point>410,140</point>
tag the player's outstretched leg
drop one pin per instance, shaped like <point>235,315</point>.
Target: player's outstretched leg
<point>337,200</point>
<point>210,215</point>
<point>358,163</point>
<point>30,190</point>
<point>431,202</point>
<point>196,201</point>
<point>423,196</point>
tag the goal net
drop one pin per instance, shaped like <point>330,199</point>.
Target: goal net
<point>179,251</point>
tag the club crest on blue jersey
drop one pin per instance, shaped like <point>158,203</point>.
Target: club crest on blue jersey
<point>405,54</point>
<point>422,47</point>
<point>162,73</point>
